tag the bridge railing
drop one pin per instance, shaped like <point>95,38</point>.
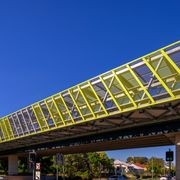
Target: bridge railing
<point>146,81</point>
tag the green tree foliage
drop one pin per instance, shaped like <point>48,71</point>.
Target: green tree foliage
<point>141,160</point>
<point>87,165</point>
<point>23,165</point>
<point>99,162</point>
<point>47,164</point>
<point>4,166</point>
<point>156,164</point>
<point>74,164</point>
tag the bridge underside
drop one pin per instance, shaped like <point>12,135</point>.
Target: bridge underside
<point>137,142</point>
<point>152,126</point>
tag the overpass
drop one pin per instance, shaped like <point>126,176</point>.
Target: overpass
<point>133,105</point>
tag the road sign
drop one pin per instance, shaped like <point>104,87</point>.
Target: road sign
<point>38,166</point>
<point>59,159</point>
<point>37,175</point>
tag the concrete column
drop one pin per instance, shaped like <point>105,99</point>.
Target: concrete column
<point>178,156</point>
<point>12,165</point>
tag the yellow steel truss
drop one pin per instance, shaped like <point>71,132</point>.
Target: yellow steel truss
<point>146,81</point>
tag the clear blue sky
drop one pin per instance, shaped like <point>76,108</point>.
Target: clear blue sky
<point>149,152</point>
<point>47,46</point>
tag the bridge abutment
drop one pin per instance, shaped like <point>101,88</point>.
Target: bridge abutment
<point>12,165</point>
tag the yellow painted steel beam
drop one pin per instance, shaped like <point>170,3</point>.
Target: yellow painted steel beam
<point>43,116</point>
<point>67,109</point>
<point>170,61</point>
<point>112,96</point>
<point>5,135</point>
<point>59,112</point>
<point>124,88</point>
<point>6,129</point>
<point>159,78</point>
<point>139,82</point>
<point>9,128</point>
<point>0,135</point>
<point>99,100</point>
<point>39,122</point>
<point>76,105</point>
<point>39,116</point>
<point>51,115</point>
<point>85,99</point>
<point>1,132</point>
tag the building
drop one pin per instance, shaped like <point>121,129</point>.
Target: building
<point>122,167</point>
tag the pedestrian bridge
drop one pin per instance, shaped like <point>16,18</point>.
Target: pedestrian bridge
<point>141,92</point>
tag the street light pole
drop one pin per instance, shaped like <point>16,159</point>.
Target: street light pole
<point>152,170</point>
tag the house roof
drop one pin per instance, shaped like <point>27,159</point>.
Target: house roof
<point>136,167</point>
<point>118,162</point>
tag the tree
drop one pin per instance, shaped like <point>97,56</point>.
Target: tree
<point>4,165</point>
<point>23,165</point>
<point>141,160</point>
<point>47,164</point>
<point>87,165</point>
<point>74,165</point>
<point>156,165</point>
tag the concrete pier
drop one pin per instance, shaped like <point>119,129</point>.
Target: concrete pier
<point>12,165</point>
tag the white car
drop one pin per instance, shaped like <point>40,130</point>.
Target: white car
<point>167,178</point>
<point>163,178</point>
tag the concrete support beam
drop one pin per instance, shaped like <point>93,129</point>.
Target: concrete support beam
<point>12,165</point>
<point>178,156</point>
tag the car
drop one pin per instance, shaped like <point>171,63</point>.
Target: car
<point>163,178</point>
<point>117,177</point>
<point>168,178</point>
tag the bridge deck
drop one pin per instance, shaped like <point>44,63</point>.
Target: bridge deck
<point>146,90</point>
